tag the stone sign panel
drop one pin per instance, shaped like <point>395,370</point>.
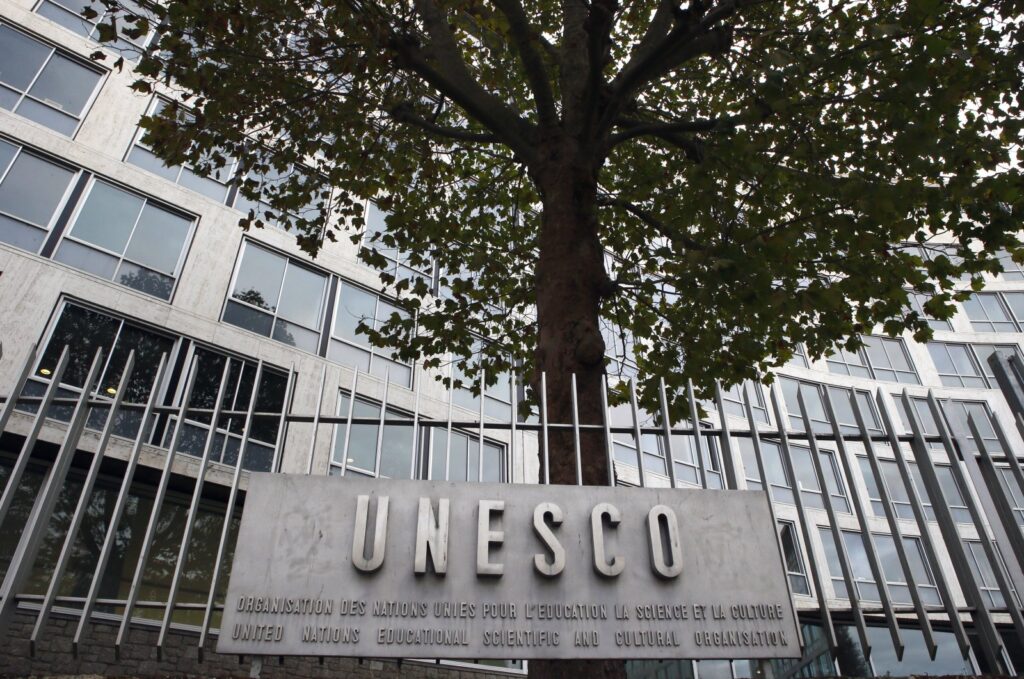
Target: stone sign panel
<point>430,569</point>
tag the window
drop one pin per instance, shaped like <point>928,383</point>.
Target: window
<point>227,443</point>
<point>214,186</point>
<point>732,401</point>
<point>42,83</point>
<point>1014,493</point>
<point>397,261</point>
<point>799,356</point>
<point>68,13</point>
<point>864,579</point>
<point>900,498</point>
<point>841,402</point>
<point>917,302</point>
<point>794,558</point>
<point>957,414</point>
<point>459,459</point>
<point>32,190</point>
<point>349,346</point>
<point>266,184</point>
<point>1012,271</point>
<point>808,480</point>
<point>956,365</point>
<point>888,360</point>
<point>981,568</point>
<point>1015,301</point>
<point>83,331</point>
<point>963,365</point>
<point>881,358</point>
<point>121,236</point>
<point>275,297</point>
<point>988,314</point>
<point>781,489</point>
<point>497,397</point>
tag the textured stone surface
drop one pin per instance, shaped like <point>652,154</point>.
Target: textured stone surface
<point>138,658</point>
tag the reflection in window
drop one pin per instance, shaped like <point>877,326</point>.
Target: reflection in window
<point>84,331</point>
<point>981,568</point>
<point>794,558</point>
<point>275,297</point>
<point>350,346</point>
<point>214,186</point>
<point>267,184</point>
<point>42,83</point>
<point>127,238</point>
<point>227,443</point>
<point>31,191</point>
<point>68,13</point>
<point>863,578</point>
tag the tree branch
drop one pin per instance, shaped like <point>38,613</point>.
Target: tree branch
<point>523,37</point>
<point>403,114</point>
<point>650,220</point>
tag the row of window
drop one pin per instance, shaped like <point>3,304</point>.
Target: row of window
<point>57,210</point>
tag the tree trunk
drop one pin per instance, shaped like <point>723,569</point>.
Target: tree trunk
<point>571,281</point>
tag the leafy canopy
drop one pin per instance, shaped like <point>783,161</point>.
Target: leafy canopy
<point>764,167</point>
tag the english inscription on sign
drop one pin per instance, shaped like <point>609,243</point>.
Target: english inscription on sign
<point>429,569</point>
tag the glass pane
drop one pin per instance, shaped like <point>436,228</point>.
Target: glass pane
<point>148,160</point>
<point>144,280</point>
<point>44,114</point>
<point>21,57</point>
<point>259,278</point>
<point>354,305</point>
<point>396,449</point>
<point>87,259</point>
<point>107,218</point>
<point>7,152</point>
<point>345,354</point>
<point>33,188</point>
<point>158,239</point>
<point>248,318</point>
<point>205,185</point>
<point>65,84</point>
<point>362,447</point>
<point>21,235</point>
<point>83,331</point>
<point>67,16</point>
<point>295,335</point>
<point>303,296</point>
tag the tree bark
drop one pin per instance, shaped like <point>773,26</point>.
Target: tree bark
<point>571,281</point>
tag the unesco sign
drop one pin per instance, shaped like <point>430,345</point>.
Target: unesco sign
<point>429,569</point>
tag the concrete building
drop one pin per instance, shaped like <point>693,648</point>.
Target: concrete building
<point>102,246</point>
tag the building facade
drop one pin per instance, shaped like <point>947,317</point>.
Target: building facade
<point>102,247</point>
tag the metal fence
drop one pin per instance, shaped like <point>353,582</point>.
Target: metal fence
<point>963,608</point>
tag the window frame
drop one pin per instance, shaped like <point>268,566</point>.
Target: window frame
<point>66,198</point>
<point>373,351</point>
<point>1004,307</point>
<point>80,203</point>
<point>67,54</point>
<point>842,356</point>
<point>146,41</point>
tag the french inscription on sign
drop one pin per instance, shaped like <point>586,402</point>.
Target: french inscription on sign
<point>430,569</point>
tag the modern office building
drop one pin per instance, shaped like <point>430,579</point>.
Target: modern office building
<point>104,247</point>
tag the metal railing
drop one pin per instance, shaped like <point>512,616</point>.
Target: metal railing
<point>990,506</point>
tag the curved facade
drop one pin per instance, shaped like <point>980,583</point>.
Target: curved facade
<point>103,247</point>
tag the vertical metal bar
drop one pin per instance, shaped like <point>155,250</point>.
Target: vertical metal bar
<point>19,386</point>
<point>154,514</point>
<point>110,535</point>
<point>609,445</point>
<point>931,554</point>
<point>894,528</point>
<point>415,430</point>
<point>874,562</point>
<point>348,426</point>
<point>83,504</point>
<point>229,510</point>
<point>992,477</point>
<point>480,455</point>
<point>666,431</point>
<point>448,441</point>
<point>805,527</point>
<point>14,480</point>
<point>636,433</point>
<point>545,462</point>
<point>282,424</point>
<point>510,464</point>
<point>25,553</point>
<point>732,479</point>
<point>1011,457</point>
<point>837,531</point>
<point>379,445</point>
<point>755,440</point>
<point>697,437</point>
<point>316,421</point>
<point>576,431</point>
<point>998,568</point>
<point>991,643</point>
<point>193,510</point>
